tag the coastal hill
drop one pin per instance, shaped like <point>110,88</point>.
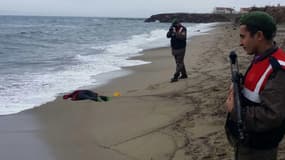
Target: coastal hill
<point>277,12</point>
<point>190,17</point>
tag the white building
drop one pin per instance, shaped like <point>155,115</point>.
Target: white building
<point>223,10</point>
<point>244,10</point>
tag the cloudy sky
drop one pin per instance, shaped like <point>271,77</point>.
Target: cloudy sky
<point>120,8</point>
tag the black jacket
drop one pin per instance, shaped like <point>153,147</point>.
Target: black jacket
<point>178,36</point>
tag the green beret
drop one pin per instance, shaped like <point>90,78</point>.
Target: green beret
<point>175,21</point>
<point>260,20</point>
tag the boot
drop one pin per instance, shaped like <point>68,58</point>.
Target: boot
<point>173,80</point>
<point>183,76</point>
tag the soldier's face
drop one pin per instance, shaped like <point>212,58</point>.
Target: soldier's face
<point>247,41</point>
<point>175,25</point>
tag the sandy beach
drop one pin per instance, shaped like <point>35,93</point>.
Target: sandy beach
<point>153,119</point>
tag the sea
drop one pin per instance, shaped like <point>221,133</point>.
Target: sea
<point>43,57</point>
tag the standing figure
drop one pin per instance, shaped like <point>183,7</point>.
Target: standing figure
<point>177,32</point>
<point>262,93</point>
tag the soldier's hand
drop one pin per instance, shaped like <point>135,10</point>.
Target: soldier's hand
<point>230,100</point>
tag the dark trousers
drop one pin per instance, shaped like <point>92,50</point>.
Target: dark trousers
<point>245,153</point>
<point>179,60</point>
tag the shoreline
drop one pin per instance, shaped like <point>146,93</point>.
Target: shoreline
<point>84,129</point>
<point>103,79</point>
<point>110,77</point>
<point>152,119</point>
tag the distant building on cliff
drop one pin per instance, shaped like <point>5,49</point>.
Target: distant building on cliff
<point>245,10</point>
<point>223,10</point>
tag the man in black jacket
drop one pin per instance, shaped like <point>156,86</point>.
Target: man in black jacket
<point>177,32</point>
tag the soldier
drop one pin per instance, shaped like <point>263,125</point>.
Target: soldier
<point>262,93</point>
<point>177,32</point>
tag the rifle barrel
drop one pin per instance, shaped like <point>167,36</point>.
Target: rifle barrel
<point>236,88</point>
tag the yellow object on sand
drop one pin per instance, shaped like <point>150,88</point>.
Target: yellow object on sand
<point>117,94</point>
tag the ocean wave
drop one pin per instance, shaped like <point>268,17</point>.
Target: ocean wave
<point>34,75</point>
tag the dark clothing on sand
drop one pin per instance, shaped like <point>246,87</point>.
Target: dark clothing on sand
<point>85,94</point>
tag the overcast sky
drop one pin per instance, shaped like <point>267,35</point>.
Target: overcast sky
<point>120,8</point>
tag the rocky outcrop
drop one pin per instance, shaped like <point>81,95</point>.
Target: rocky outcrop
<point>277,12</point>
<point>190,17</point>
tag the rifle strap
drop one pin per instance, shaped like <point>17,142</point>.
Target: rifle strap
<point>275,66</point>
